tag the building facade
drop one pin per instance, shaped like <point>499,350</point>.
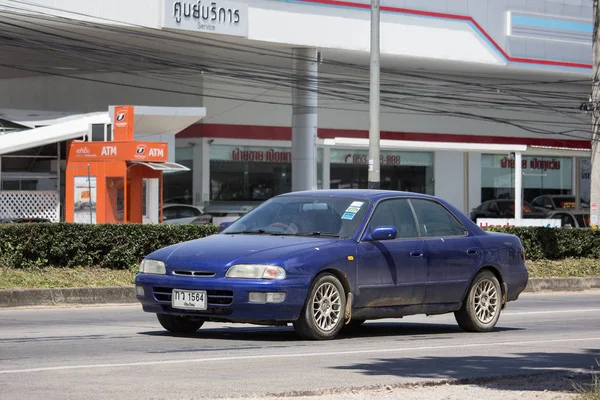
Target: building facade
<point>479,73</point>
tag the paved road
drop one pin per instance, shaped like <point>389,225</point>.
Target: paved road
<point>121,352</point>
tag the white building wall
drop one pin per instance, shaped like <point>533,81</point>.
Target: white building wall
<point>112,12</point>
<point>345,114</point>
<point>448,173</point>
<point>51,93</point>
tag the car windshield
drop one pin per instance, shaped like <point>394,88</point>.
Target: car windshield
<point>304,216</point>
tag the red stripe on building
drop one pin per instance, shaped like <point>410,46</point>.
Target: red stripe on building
<point>221,131</point>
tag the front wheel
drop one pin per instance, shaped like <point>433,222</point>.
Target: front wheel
<point>481,308</point>
<point>177,324</point>
<point>322,316</point>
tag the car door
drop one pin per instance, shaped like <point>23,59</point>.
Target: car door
<point>452,253</point>
<point>392,272</point>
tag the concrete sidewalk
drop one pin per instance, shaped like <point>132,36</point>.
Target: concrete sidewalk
<point>123,295</point>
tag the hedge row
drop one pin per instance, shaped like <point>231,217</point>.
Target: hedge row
<point>74,245</point>
<point>123,246</point>
<point>556,243</point>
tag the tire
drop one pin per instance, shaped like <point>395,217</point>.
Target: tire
<point>322,316</point>
<point>176,324</point>
<point>482,305</point>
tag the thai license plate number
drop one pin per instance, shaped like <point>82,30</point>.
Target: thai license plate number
<point>189,299</point>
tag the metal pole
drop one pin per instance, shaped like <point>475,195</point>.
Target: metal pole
<point>374,161</point>
<point>518,185</point>
<point>305,67</point>
<point>58,182</point>
<point>595,167</point>
<point>90,193</point>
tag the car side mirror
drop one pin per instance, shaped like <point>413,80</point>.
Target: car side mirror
<point>224,225</point>
<point>384,233</point>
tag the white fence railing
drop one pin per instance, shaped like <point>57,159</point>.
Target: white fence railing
<point>30,204</point>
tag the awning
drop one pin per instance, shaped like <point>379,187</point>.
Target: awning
<point>74,128</point>
<point>428,146</point>
<point>165,167</point>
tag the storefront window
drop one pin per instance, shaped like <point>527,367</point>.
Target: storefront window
<point>541,176</point>
<point>400,170</point>
<point>584,180</point>
<point>251,173</point>
<point>178,185</point>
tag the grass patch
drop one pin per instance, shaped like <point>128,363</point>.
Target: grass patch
<point>50,277</point>
<point>593,391</point>
<point>570,267</point>
<point>64,277</point>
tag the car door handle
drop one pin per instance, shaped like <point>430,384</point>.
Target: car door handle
<point>416,254</point>
<point>473,252</point>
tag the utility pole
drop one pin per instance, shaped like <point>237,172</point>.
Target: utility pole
<point>374,164</point>
<point>595,100</point>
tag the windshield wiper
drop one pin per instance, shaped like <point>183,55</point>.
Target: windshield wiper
<point>254,232</point>
<point>317,234</point>
<point>257,232</point>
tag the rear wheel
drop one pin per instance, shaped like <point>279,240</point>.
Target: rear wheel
<point>177,324</point>
<point>481,308</point>
<point>322,316</point>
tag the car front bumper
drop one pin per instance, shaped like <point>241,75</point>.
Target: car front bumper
<point>228,298</point>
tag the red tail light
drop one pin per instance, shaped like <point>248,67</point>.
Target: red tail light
<point>522,254</point>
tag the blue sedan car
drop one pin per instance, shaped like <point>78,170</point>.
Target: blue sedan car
<point>328,258</point>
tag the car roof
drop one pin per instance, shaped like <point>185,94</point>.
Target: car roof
<point>369,194</point>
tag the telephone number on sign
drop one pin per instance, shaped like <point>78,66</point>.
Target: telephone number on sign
<point>364,159</point>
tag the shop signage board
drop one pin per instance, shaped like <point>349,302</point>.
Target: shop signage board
<point>217,17</point>
<point>119,151</point>
<point>548,223</point>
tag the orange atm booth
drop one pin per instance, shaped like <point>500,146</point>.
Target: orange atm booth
<point>118,181</point>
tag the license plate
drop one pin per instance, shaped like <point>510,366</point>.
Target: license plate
<point>189,299</point>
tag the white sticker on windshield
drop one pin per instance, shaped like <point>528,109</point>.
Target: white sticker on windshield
<point>356,204</point>
<point>353,209</point>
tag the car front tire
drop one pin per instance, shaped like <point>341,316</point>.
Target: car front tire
<point>482,306</point>
<point>322,316</point>
<point>176,324</point>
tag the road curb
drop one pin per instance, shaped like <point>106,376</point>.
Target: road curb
<point>125,295</point>
<point>67,296</point>
<point>562,284</point>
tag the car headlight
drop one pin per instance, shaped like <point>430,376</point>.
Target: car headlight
<point>152,267</point>
<point>256,271</point>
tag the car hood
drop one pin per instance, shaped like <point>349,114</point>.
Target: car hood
<point>214,253</point>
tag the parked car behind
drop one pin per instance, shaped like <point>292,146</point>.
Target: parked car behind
<point>571,219</point>
<point>222,215</point>
<point>550,203</point>
<point>326,258</point>
<point>503,208</point>
<point>180,213</point>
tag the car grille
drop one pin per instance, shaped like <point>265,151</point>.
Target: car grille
<point>204,274</point>
<point>214,297</point>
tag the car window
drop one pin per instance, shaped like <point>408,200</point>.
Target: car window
<point>169,213</point>
<point>395,213</point>
<point>537,203</point>
<point>188,212</point>
<point>435,220</point>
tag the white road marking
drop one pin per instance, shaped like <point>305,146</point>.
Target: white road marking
<point>574,311</point>
<point>296,355</point>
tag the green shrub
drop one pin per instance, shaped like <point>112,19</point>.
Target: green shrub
<point>114,246</point>
<point>555,243</point>
<point>123,246</point>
